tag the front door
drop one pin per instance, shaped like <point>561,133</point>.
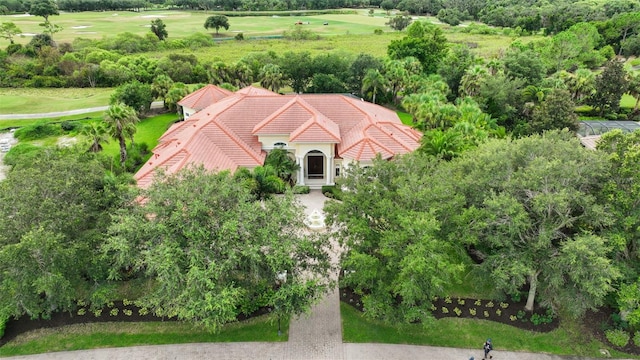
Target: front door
<point>315,166</point>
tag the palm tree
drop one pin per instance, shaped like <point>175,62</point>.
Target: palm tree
<point>472,79</point>
<point>284,165</point>
<point>175,94</point>
<point>120,121</point>
<point>581,84</point>
<point>374,81</point>
<point>267,182</point>
<point>446,144</point>
<point>160,87</point>
<point>272,77</point>
<point>97,134</point>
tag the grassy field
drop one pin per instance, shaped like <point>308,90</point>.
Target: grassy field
<point>95,25</point>
<point>99,335</point>
<point>43,100</point>
<point>467,333</point>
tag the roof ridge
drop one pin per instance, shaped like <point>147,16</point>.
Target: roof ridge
<point>302,128</point>
<point>155,156</point>
<point>238,141</point>
<point>294,100</point>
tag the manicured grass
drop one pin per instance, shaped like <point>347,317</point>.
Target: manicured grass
<point>44,100</point>
<point>148,131</point>
<point>406,118</point>
<point>232,51</point>
<point>119,334</point>
<point>468,333</point>
<point>95,25</point>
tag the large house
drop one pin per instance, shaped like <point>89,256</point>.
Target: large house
<point>223,130</point>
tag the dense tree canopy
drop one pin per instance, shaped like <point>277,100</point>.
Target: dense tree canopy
<point>395,257</point>
<point>532,212</point>
<point>54,209</point>
<point>215,252</point>
<point>424,42</point>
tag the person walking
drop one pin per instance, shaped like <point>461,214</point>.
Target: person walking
<point>487,348</point>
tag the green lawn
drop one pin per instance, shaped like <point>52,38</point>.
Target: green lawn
<point>468,333</point>
<point>95,25</point>
<point>44,100</point>
<point>99,335</point>
<point>148,131</point>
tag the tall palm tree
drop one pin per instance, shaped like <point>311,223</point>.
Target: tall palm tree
<point>97,134</point>
<point>272,77</point>
<point>120,121</point>
<point>374,81</point>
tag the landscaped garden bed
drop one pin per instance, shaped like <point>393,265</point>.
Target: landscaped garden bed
<point>117,311</point>
<point>606,319</point>
<point>506,312</point>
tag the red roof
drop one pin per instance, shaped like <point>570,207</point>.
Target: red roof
<point>224,134</point>
<point>204,97</point>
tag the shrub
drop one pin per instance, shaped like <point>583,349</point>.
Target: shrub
<point>538,319</point>
<point>37,131</point>
<point>445,310</point>
<point>378,31</point>
<point>298,33</point>
<point>300,189</point>
<point>22,154</point>
<point>332,192</point>
<point>69,126</point>
<point>137,154</point>
<point>457,311</point>
<point>617,337</point>
<point>636,338</point>
<point>3,323</point>
<point>239,36</point>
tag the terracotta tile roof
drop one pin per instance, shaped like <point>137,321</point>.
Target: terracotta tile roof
<point>255,91</point>
<point>224,134</point>
<point>204,97</point>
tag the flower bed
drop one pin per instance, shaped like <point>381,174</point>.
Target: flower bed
<point>118,311</point>
<point>510,313</point>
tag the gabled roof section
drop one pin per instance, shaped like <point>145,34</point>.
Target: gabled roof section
<point>287,118</point>
<point>204,97</point>
<point>317,129</point>
<point>255,91</point>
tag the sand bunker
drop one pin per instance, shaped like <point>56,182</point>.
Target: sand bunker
<point>21,15</point>
<point>81,27</point>
<point>152,16</point>
<point>28,34</point>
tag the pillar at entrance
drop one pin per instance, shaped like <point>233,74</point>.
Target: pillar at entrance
<point>300,162</point>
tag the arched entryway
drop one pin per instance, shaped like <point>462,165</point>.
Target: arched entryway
<point>315,165</point>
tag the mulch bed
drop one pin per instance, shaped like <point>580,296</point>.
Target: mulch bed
<point>509,313</point>
<point>599,321</point>
<point>125,313</point>
<point>595,323</point>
